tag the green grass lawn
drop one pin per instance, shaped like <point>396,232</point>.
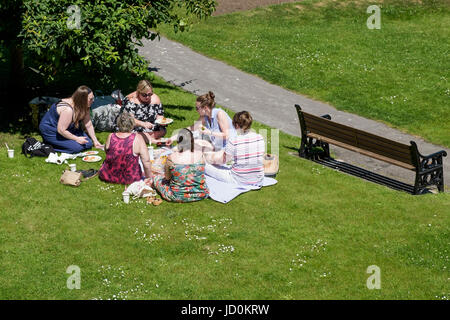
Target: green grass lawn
<point>323,49</point>
<point>311,236</point>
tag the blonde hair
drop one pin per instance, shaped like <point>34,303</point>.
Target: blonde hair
<point>143,85</point>
<point>207,100</point>
<point>81,105</point>
<point>125,122</point>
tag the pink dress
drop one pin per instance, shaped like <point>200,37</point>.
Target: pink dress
<point>121,165</point>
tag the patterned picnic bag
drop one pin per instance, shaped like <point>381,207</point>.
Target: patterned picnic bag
<point>33,148</point>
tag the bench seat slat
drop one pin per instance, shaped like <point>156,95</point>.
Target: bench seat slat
<point>362,151</point>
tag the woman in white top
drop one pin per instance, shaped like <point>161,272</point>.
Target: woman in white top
<point>213,122</point>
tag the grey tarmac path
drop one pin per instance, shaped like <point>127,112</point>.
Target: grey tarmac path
<point>271,104</point>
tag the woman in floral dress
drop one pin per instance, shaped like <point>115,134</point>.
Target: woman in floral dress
<point>146,108</point>
<point>184,179</point>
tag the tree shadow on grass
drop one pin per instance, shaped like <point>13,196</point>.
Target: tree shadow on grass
<point>175,108</point>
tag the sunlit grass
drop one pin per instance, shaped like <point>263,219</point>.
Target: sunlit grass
<point>311,236</point>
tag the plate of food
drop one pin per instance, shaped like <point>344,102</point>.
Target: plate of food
<point>164,121</point>
<point>90,153</point>
<point>91,158</point>
<point>162,142</point>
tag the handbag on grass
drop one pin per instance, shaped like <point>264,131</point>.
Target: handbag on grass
<point>71,178</point>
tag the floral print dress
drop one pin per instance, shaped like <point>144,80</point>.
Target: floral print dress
<point>186,185</point>
<point>146,112</point>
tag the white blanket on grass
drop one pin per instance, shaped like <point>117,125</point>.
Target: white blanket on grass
<point>225,192</point>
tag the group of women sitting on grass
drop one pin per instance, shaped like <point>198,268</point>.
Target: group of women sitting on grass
<point>202,149</point>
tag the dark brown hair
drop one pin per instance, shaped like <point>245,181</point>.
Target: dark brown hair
<point>81,105</point>
<point>207,100</point>
<point>242,120</point>
<point>185,140</point>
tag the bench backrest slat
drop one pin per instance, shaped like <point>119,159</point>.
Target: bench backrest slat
<point>379,145</point>
<point>358,138</point>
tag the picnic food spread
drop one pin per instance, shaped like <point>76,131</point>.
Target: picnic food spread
<point>178,178</point>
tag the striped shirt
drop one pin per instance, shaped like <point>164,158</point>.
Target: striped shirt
<point>247,151</point>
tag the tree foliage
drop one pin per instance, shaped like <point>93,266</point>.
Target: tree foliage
<point>99,35</point>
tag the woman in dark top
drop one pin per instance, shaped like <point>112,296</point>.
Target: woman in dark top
<point>146,108</point>
<point>61,125</point>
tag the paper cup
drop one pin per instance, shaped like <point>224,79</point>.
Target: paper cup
<point>10,153</point>
<point>73,167</point>
<point>126,197</point>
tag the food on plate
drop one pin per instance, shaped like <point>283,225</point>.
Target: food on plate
<point>164,120</point>
<point>88,153</point>
<point>91,158</point>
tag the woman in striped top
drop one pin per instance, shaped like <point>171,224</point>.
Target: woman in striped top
<point>246,150</point>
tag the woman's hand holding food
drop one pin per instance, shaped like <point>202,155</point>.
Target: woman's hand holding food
<point>204,130</point>
<point>148,125</point>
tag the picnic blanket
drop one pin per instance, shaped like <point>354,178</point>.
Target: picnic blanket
<point>225,192</point>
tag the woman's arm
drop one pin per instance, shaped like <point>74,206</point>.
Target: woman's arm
<point>144,124</point>
<point>156,100</point>
<point>91,132</point>
<point>218,157</point>
<point>223,125</point>
<point>107,143</point>
<point>142,151</point>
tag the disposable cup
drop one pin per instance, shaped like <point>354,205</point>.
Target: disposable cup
<point>126,197</point>
<point>73,167</point>
<point>10,153</point>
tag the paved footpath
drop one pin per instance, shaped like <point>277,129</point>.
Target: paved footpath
<point>271,104</point>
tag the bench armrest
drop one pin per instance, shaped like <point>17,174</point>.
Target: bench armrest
<point>428,162</point>
<point>435,155</point>
<point>326,116</point>
<point>438,154</point>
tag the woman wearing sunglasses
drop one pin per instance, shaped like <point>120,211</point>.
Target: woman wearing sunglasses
<point>146,108</point>
<point>61,126</point>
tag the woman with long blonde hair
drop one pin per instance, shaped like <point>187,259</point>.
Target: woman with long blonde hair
<point>61,126</point>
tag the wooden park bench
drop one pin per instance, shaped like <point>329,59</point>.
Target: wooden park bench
<point>319,132</point>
